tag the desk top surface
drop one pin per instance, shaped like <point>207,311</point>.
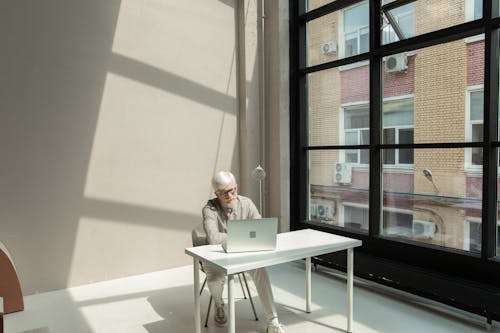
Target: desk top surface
<point>290,246</point>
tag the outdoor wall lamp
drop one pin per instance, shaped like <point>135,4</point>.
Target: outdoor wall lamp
<point>428,174</point>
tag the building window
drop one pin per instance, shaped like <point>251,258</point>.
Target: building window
<point>395,222</point>
<point>476,125</point>
<point>356,132</point>
<point>473,234</point>
<point>355,216</point>
<point>404,19</point>
<point>473,10</point>
<point>398,223</point>
<point>472,239</point>
<point>356,33</point>
<point>398,129</point>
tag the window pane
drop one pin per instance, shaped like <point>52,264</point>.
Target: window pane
<point>364,40</point>
<point>438,203</point>
<point>389,135</point>
<point>356,17</point>
<point>476,105</point>
<point>478,9</point>
<point>435,88</point>
<point>351,45</point>
<point>337,35</point>
<point>355,217</point>
<point>338,191</point>
<point>398,223</point>
<point>406,155</point>
<point>365,153</point>
<point>338,104</point>
<point>398,112</point>
<point>351,156</point>
<point>356,117</point>
<point>477,153</point>
<point>351,138</point>
<point>323,39</point>
<point>406,135</point>
<point>355,29</point>
<point>389,155</point>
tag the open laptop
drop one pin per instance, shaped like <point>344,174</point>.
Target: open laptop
<point>251,235</point>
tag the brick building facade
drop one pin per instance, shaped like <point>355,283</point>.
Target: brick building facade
<point>430,195</point>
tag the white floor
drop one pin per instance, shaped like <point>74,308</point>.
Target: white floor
<point>162,302</point>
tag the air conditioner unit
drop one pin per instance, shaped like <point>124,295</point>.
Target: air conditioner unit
<point>396,63</point>
<point>329,48</point>
<point>424,229</point>
<point>342,173</point>
<point>325,211</point>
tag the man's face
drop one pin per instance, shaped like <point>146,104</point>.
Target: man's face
<point>227,195</point>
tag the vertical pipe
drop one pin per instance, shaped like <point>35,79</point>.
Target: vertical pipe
<point>241,94</point>
<point>262,86</point>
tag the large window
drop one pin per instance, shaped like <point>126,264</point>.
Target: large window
<point>393,142</point>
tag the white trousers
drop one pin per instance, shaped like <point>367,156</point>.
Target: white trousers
<point>216,279</point>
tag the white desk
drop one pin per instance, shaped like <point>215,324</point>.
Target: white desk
<point>290,246</point>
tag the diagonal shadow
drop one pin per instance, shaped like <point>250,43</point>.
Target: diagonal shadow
<point>156,77</point>
<point>136,214</point>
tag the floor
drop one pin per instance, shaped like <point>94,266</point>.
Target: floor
<point>162,302</point>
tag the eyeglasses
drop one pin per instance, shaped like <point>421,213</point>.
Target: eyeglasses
<point>226,194</point>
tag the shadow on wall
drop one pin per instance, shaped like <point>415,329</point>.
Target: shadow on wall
<point>54,70</point>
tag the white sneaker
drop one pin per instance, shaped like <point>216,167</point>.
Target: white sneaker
<point>275,328</point>
<point>220,316</point>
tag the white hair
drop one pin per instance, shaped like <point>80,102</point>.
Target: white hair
<point>222,179</point>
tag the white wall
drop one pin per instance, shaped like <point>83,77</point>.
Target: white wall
<point>113,117</point>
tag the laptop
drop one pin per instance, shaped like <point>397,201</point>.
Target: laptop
<point>251,235</point>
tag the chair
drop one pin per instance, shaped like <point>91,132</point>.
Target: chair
<point>199,238</point>
<point>10,288</point>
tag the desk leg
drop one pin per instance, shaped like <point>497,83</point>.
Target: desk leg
<point>308,284</point>
<point>350,263</point>
<point>197,320</point>
<point>230,295</point>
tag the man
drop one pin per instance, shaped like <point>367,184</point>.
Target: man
<point>228,205</point>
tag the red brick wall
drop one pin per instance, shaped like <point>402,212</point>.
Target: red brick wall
<point>475,63</point>
<point>355,83</point>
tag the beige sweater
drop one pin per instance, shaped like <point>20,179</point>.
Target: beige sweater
<point>215,217</point>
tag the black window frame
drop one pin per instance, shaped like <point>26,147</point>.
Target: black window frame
<point>380,259</point>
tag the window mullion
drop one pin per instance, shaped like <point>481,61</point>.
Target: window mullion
<point>375,193</point>
<point>490,153</point>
